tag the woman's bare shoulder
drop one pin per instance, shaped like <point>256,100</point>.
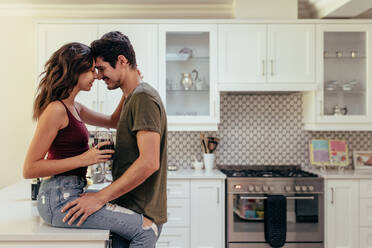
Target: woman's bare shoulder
<point>55,112</point>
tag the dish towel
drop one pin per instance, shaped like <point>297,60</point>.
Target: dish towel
<point>275,220</point>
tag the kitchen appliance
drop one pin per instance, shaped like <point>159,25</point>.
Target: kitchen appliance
<point>246,191</point>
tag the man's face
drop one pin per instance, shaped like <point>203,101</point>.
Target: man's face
<point>107,73</point>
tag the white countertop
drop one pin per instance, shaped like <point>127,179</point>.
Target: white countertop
<point>19,219</point>
<point>195,174</point>
<point>336,174</point>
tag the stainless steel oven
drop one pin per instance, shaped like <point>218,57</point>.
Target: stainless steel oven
<point>245,210</point>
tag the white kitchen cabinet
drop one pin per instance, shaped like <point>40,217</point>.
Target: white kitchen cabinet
<point>344,92</point>
<point>188,76</point>
<point>207,213</point>
<point>365,238</point>
<point>266,57</point>
<point>174,238</point>
<point>341,214</point>
<point>195,214</point>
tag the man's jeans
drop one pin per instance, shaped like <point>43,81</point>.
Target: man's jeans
<point>55,192</point>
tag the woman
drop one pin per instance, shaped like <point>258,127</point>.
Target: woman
<point>62,135</point>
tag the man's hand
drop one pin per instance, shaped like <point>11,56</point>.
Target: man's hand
<point>86,205</point>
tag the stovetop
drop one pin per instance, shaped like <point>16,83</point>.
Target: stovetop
<point>266,171</point>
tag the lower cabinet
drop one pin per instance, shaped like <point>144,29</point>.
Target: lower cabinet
<point>348,211</point>
<point>341,214</point>
<point>196,211</point>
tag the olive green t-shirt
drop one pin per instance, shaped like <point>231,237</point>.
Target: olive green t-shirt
<point>142,110</point>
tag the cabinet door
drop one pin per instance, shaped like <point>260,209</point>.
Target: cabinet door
<point>207,213</point>
<point>291,53</point>
<point>365,238</point>
<point>342,211</point>
<point>53,36</point>
<point>188,75</point>
<point>366,212</point>
<point>174,238</point>
<point>144,39</point>
<point>345,95</point>
<point>366,188</point>
<point>241,55</point>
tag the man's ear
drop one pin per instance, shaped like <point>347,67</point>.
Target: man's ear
<point>122,60</point>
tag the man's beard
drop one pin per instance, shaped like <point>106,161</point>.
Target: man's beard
<point>114,86</point>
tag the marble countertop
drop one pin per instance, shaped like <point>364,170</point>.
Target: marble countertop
<point>340,174</point>
<point>195,174</point>
<point>19,219</point>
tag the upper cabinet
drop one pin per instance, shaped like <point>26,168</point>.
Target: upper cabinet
<point>188,75</point>
<point>266,57</point>
<point>343,98</point>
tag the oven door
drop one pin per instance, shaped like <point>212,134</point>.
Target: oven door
<point>245,216</point>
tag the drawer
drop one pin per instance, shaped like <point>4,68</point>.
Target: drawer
<point>178,189</point>
<point>174,238</point>
<point>365,212</point>
<point>178,212</point>
<point>365,188</point>
<point>365,238</point>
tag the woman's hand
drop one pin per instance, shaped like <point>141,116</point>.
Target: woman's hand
<point>94,155</point>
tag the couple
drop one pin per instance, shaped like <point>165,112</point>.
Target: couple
<point>133,207</point>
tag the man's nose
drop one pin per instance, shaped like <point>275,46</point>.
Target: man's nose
<point>99,75</point>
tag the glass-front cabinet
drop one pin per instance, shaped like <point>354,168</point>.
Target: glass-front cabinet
<point>188,75</point>
<point>343,98</point>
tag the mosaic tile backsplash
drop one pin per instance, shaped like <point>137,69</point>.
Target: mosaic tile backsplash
<point>261,129</point>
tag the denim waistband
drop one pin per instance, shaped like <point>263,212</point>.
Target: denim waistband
<point>63,181</point>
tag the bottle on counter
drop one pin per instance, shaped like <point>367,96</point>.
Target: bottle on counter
<point>35,185</point>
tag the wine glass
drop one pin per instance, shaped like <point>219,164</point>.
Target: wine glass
<point>99,170</point>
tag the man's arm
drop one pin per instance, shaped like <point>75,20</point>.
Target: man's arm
<point>98,119</point>
<point>145,165</point>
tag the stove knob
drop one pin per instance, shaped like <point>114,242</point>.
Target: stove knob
<point>250,188</point>
<point>311,188</point>
<point>297,188</point>
<point>258,188</point>
<point>265,188</point>
<point>304,188</point>
<point>272,188</point>
<point>287,188</point>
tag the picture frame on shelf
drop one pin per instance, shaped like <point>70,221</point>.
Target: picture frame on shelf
<point>362,160</point>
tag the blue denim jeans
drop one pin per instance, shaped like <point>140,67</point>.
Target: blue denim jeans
<point>125,224</point>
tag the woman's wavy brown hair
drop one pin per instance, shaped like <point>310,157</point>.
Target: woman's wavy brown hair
<point>61,74</point>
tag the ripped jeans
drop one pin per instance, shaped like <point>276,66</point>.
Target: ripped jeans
<point>125,224</point>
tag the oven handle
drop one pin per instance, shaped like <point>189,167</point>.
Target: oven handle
<point>288,197</point>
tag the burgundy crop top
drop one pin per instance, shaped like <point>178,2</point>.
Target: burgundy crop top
<point>69,142</point>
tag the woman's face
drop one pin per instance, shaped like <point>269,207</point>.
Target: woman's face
<point>86,79</point>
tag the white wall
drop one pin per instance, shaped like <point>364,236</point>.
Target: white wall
<point>18,66</point>
<point>17,49</point>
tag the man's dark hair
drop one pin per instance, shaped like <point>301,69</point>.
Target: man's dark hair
<point>111,45</point>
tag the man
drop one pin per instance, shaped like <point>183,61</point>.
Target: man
<point>140,163</point>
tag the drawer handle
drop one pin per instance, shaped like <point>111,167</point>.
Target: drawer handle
<point>167,243</point>
<point>333,194</point>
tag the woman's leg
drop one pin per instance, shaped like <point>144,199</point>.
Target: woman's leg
<point>56,192</point>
